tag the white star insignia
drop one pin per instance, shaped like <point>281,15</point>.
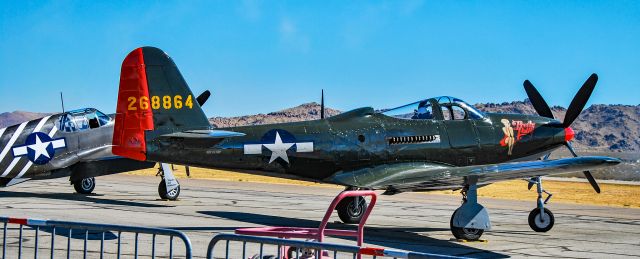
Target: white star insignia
<point>279,149</point>
<point>40,148</point>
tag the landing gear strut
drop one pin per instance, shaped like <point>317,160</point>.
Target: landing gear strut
<point>471,219</point>
<point>540,219</point>
<point>85,186</point>
<point>169,188</point>
<point>351,209</point>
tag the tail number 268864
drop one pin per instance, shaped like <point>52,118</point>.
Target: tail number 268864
<point>165,102</point>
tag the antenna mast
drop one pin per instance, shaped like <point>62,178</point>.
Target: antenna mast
<point>322,105</point>
<point>62,101</point>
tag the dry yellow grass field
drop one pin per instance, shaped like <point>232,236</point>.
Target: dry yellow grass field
<point>619,195</point>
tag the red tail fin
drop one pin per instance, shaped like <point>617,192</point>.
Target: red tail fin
<point>133,117</point>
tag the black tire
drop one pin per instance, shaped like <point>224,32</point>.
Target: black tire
<point>469,234</point>
<point>349,212</point>
<point>537,224</point>
<point>162,191</point>
<point>85,186</point>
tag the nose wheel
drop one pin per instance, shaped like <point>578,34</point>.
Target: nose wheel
<point>541,222</point>
<point>541,219</point>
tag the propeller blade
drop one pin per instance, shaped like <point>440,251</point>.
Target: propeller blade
<point>322,105</point>
<point>580,100</point>
<point>587,174</point>
<point>592,181</point>
<point>203,97</point>
<point>537,101</point>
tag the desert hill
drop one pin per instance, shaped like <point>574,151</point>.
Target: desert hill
<point>303,112</point>
<point>16,117</point>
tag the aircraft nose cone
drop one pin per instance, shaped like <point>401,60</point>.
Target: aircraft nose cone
<point>568,134</point>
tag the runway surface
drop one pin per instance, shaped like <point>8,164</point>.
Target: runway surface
<point>411,221</point>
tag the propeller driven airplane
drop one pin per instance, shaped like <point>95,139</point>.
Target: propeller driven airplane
<point>76,144</point>
<point>433,144</point>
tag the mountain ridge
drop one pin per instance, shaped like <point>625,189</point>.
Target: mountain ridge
<point>600,127</point>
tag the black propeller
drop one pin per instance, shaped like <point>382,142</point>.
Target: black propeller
<point>580,100</point>
<point>574,110</point>
<point>203,97</point>
<point>537,101</point>
<point>587,174</point>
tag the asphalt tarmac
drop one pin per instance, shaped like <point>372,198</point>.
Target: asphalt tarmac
<point>411,221</point>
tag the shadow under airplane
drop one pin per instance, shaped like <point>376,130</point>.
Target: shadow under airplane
<point>398,238</point>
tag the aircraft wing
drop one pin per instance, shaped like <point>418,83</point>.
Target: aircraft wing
<point>413,176</point>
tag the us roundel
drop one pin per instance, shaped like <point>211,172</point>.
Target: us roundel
<point>278,142</point>
<point>39,148</point>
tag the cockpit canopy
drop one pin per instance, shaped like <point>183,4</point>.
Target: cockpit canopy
<point>82,119</point>
<point>439,108</point>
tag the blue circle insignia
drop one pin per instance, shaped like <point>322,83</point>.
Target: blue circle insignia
<point>270,136</point>
<point>39,148</point>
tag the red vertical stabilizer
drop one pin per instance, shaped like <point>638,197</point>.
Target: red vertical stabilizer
<point>132,116</point>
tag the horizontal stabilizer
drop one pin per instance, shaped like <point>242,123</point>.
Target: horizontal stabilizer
<point>205,134</point>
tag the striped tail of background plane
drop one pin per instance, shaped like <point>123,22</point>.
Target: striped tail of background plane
<point>15,162</point>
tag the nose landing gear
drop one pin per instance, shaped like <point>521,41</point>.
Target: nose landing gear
<point>540,219</point>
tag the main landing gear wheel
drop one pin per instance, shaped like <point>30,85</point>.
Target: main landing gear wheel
<point>172,195</point>
<point>541,222</point>
<point>85,186</point>
<point>470,234</point>
<point>351,209</point>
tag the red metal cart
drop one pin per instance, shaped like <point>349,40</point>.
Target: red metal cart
<point>317,234</point>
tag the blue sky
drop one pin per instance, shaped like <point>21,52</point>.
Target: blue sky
<point>262,56</point>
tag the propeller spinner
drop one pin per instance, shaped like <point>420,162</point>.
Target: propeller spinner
<point>575,108</point>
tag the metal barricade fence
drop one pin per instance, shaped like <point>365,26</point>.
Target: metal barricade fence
<point>278,245</point>
<point>91,233</point>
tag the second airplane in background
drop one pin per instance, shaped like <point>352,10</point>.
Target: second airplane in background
<point>75,144</point>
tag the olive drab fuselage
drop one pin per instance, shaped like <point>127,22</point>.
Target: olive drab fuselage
<point>360,138</point>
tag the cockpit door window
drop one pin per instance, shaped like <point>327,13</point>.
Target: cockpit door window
<point>446,113</point>
<point>458,113</point>
<point>84,119</point>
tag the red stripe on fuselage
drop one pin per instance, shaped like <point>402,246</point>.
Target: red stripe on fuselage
<point>131,119</point>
